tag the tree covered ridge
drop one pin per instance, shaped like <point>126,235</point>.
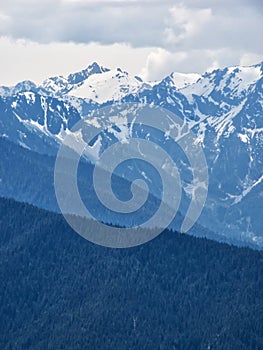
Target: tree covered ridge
<point>59,291</point>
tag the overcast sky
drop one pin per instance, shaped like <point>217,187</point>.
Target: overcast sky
<point>150,38</point>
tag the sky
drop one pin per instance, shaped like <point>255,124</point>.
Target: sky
<point>149,38</point>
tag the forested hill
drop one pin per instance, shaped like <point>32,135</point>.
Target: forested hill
<point>59,291</point>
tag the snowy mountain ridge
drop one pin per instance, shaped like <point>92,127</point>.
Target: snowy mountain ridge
<point>224,108</point>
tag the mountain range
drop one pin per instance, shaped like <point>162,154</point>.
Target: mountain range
<point>223,107</point>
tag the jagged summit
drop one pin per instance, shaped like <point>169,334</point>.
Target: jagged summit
<point>61,85</point>
<point>93,68</point>
<point>109,85</point>
<point>22,86</point>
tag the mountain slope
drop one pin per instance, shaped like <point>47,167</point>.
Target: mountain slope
<point>28,176</point>
<point>34,121</point>
<point>177,292</point>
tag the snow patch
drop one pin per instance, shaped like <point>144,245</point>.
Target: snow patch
<point>181,80</point>
<point>243,138</point>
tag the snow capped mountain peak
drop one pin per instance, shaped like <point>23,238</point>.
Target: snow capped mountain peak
<point>110,85</point>
<point>181,80</point>
<point>58,86</point>
<point>232,82</point>
<point>23,86</point>
<point>54,85</point>
<point>78,77</point>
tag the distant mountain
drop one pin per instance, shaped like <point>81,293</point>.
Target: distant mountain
<point>224,108</point>
<point>28,176</point>
<point>59,86</point>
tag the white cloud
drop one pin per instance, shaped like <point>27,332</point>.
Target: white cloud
<point>158,36</point>
<point>185,23</point>
<point>160,63</point>
<point>248,59</point>
<point>22,59</point>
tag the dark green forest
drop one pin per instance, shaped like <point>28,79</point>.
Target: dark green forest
<point>59,291</point>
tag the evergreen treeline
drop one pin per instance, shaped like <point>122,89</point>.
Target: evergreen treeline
<point>59,291</point>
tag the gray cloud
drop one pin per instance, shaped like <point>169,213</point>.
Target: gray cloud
<point>189,24</point>
<point>214,28</point>
<point>136,22</point>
